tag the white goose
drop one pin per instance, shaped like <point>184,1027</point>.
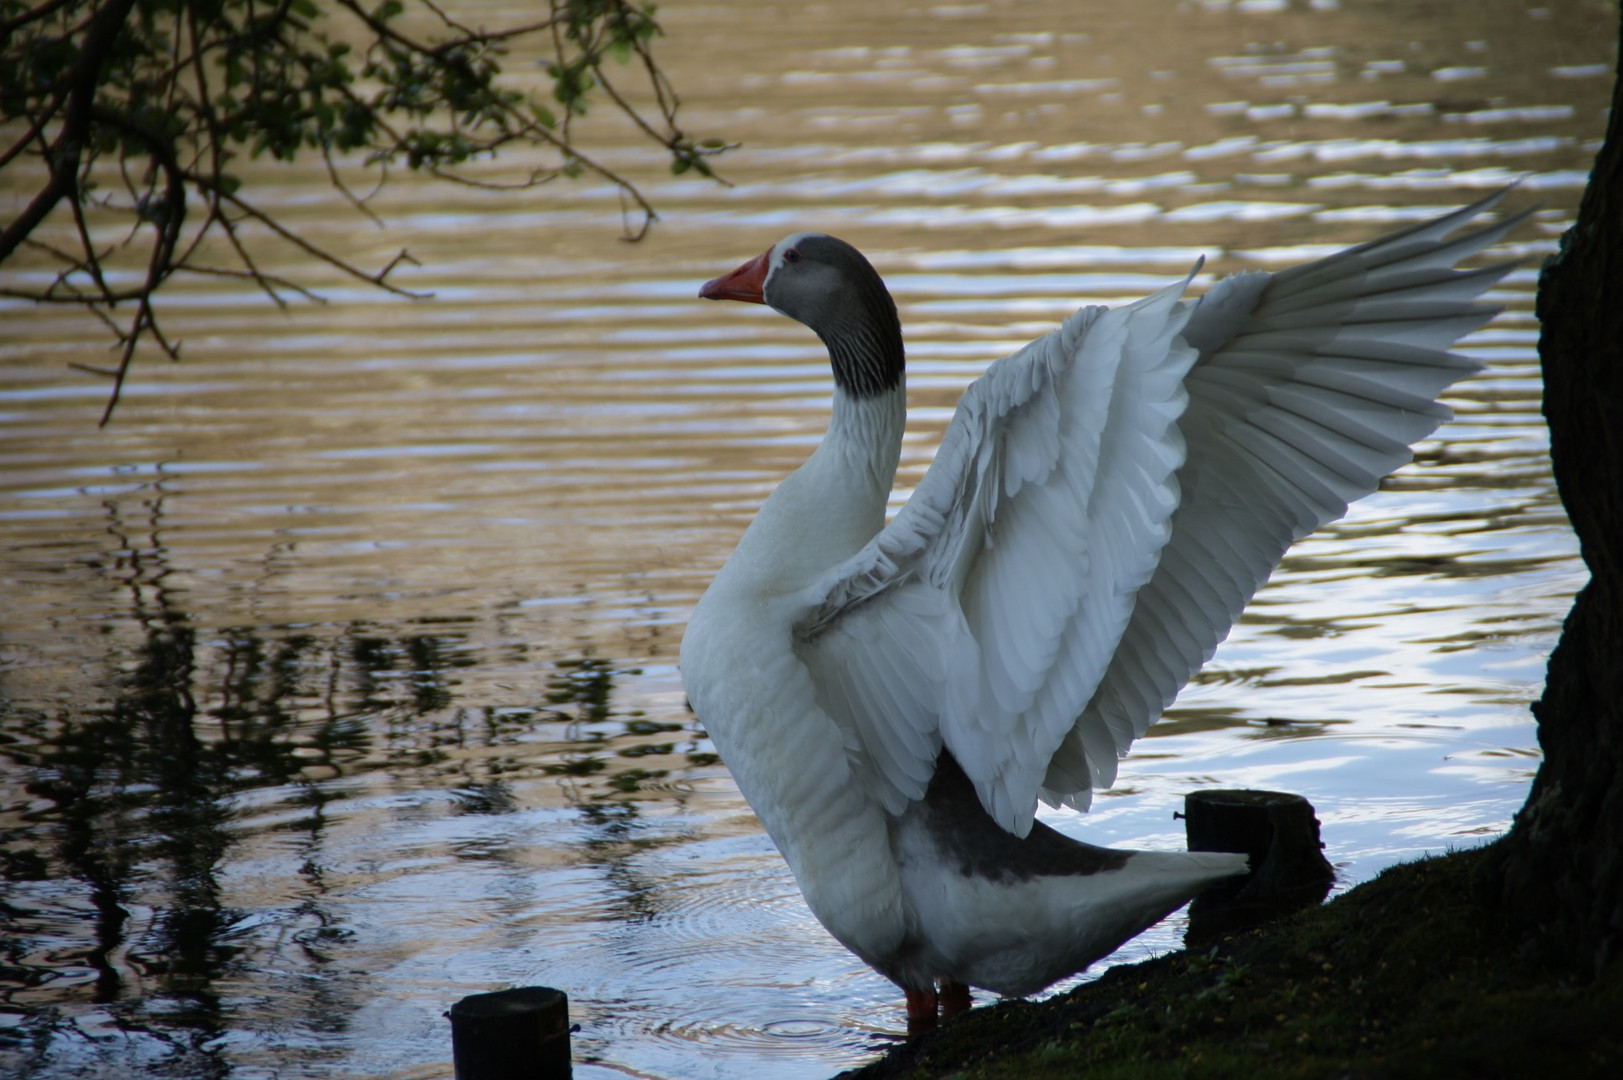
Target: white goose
<point>893,700</point>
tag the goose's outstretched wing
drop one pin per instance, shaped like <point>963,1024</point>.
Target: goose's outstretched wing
<point>1311,386</point>
<point>1105,502</point>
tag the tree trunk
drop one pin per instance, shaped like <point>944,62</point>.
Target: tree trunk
<point>1559,873</point>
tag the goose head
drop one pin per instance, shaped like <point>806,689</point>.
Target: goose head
<point>826,284</point>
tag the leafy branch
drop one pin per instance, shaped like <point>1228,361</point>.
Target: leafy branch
<point>175,93</point>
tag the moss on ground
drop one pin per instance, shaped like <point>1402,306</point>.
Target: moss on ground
<point>1408,975</point>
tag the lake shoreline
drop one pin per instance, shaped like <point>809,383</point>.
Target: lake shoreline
<point>1413,973</point>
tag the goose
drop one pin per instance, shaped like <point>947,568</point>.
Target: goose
<point>894,699</point>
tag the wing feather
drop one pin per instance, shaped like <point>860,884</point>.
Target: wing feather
<point>1311,386</point>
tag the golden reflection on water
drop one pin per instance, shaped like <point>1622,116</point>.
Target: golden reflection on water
<point>409,576</point>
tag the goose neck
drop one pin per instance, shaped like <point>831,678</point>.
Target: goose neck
<point>865,434</point>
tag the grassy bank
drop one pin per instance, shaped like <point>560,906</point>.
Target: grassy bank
<point>1408,975</point>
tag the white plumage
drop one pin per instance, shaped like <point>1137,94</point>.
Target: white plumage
<point>894,700</point>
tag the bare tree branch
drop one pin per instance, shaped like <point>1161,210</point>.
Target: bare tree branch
<point>169,93</point>
<point>68,147</point>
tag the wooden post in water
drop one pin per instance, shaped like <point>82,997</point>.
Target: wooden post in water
<point>1288,868</point>
<point>518,1034</point>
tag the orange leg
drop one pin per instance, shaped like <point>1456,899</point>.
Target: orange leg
<point>955,998</point>
<point>921,1010</point>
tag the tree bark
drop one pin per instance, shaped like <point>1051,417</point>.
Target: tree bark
<point>1559,873</point>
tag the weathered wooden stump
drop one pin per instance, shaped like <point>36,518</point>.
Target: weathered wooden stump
<point>518,1034</point>
<point>1280,833</point>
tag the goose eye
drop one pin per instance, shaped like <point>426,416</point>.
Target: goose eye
<point>791,256</point>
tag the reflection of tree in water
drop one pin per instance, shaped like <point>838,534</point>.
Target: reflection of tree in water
<point>134,793</point>
<point>114,915</point>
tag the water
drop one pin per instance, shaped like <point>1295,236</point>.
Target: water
<point>337,674</point>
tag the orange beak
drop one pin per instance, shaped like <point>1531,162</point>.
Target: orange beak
<point>745,283</point>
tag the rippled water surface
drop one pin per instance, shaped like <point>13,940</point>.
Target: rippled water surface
<point>337,674</point>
